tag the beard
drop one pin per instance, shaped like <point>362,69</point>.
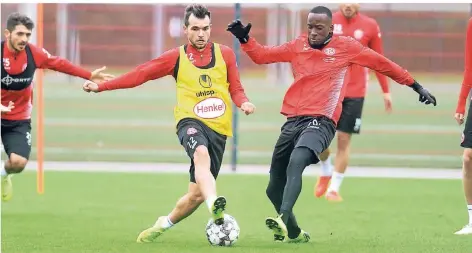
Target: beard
<point>12,45</point>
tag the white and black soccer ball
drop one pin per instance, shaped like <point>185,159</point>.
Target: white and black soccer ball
<point>222,235</point>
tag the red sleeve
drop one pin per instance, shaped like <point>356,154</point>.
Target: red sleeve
<point>367,57</point>
<point>266,54</point>
<point>467,82</point>
<point>45,60</point>
<point>235,88</point>
<point>161,66</point>
<point>376,45</point>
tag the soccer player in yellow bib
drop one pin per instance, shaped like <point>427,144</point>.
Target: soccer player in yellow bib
<point>207,79</point>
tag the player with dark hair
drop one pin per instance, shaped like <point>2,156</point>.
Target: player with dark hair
<point>20,59</point>
<point>349,22</point>
<point>207,80</point>
<point>312,104</point>
<point>467,134</point>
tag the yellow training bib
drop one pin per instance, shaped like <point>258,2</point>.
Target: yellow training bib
<point>203,93</point>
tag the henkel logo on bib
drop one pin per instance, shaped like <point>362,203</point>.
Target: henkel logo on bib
<point>210,108</point>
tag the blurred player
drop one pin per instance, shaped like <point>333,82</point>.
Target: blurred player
<point>467,135</point>
<point>349,22</point>
<point>20,59</point>
<point>207,80</point>
<point>312,104</point>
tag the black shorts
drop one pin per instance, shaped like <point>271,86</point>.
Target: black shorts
<point>350,120</point>
<point>16,137</point>
<point>315,133</point>
<point>466,141</point>
<point>193,133</point>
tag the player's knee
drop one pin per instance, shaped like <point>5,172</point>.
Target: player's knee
<point>467,158</point>
<point>17,163</point>
<point>201,152</point>
<point>344,140</point>
<point>302,156</point>
<point>194,195</point>
<point>196,198</point>
<point>325,154</point>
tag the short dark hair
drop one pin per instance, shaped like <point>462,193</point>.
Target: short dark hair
<point>16,18</point>
<point>198,10</point>
<point>322,10</point>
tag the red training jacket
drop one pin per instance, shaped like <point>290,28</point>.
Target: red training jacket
<point>367,32</point>
<point>467,82</point>
<point>15,63</point>
<point>319,87</point>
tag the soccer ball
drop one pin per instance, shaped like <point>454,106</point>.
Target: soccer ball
<point>222,235</point>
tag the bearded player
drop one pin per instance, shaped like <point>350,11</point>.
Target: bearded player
<point>207,80</point>
<point>20,59</point>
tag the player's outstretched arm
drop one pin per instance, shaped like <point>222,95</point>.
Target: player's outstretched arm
<point>467,82</point>
<point>258,53</point>
<point>45,60</point>
<point>151,70</point>
<point>367,57</point>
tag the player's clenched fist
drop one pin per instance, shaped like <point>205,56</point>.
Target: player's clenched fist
<point>90,86</point>
<point>248,108</point>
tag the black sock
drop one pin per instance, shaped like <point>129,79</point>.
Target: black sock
<point>301,157</point>
<point>275,191</point>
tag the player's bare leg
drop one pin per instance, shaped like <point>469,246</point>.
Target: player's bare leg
<point>14,164</point>
<point>185,206</point>
<point>207,184</point>
<point>340,165</point>
<point>467,182</point>
<point>326,171</point>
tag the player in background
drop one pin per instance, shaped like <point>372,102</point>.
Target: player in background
<point>467,134</point>
<point>20,59</point>
<point>349,22</point>
<point>312,104</point>
<point>207,79</point>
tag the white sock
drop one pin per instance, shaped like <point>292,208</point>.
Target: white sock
<point>469,207</point>
<point>210,200</point>
<point>167,223</point>
<point>3,172</point>
<point>326,167</point>
<point>336,181</point>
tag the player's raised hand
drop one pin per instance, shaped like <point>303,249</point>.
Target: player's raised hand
<point>459,118</point>
<point>388,102</point>
<point>248,108</point>
<point>239,30</point>
<point>8,108</point>
<point>90,86</point>
<point>98,76</point>
<point>425,96</point>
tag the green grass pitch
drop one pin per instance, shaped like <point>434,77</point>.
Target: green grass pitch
<point>104,212</point>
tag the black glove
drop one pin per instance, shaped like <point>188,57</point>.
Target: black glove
<point>425,96</point>
<point>239,31</point>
